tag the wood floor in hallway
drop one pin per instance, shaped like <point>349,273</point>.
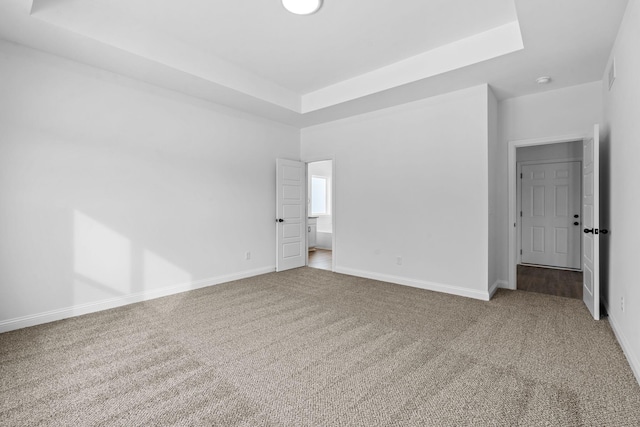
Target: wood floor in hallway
<point>550,281</point>
<point>320,258</point>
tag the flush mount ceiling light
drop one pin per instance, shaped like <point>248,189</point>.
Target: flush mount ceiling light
<point>302,7</point>
<point>543,80</point>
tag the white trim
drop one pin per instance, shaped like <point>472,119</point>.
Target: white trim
<point>512,180</point>
<point>80,309</point>
<point>431,286</point>
<point>624,344</point>
<point>498,284</point>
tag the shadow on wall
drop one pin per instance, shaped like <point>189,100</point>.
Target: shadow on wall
<point>108,265</point>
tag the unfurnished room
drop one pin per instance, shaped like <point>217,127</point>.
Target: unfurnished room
<point>319,212</point>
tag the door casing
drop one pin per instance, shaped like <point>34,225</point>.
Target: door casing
<point>514,247</point>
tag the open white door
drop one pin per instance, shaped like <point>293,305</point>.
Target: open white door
<point>290,214</point>
<point>590,224</point>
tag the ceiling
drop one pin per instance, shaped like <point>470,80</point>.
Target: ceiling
<point>349,58</point>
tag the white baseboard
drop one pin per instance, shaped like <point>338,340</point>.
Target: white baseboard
<point>431,286</point>
<point>80,309</point>
<point>626,347</point>
<point>498,284</point>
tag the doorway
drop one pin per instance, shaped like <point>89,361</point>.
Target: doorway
<point>320,213</point>
<point>590,212</point>
<point>549,250</point>
<point>550,215</point>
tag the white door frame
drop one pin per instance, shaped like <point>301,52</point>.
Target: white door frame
<point>333,205</point>
<point>513,199</point>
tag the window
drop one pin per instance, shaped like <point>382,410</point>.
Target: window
<point>319,193</point>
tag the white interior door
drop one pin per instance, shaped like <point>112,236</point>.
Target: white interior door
<point>290,214</point>
<point>591,233</point>
<point>551,214</point>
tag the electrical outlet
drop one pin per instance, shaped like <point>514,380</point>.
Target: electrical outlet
<point>247,256</point>
<point>399,260</point>
<point>622,304</point>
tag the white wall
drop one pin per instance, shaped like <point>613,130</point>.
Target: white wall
<point>568,111</point>
<point>112,190</point>
<point>494,279</point>
<point>324,239</point>
<point>620,191</point>
<point>412,181</point>
<point>565,150</point>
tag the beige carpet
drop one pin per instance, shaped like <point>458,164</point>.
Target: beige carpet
<point>310,347</point>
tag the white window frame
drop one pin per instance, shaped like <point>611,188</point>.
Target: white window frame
<point>326,196</point>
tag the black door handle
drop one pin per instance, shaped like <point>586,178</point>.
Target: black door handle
<point>279,220</point>
<point>576,223</point>
<point>596,231</point>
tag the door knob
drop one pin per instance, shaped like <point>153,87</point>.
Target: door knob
<point>279,220</point>
<point>596,231</point>
<point>576,223</point>
<point>576,216</point>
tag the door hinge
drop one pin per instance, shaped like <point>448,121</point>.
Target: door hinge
<point>520,251</point>
<point>520,213</point>
<point>520,176</point>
